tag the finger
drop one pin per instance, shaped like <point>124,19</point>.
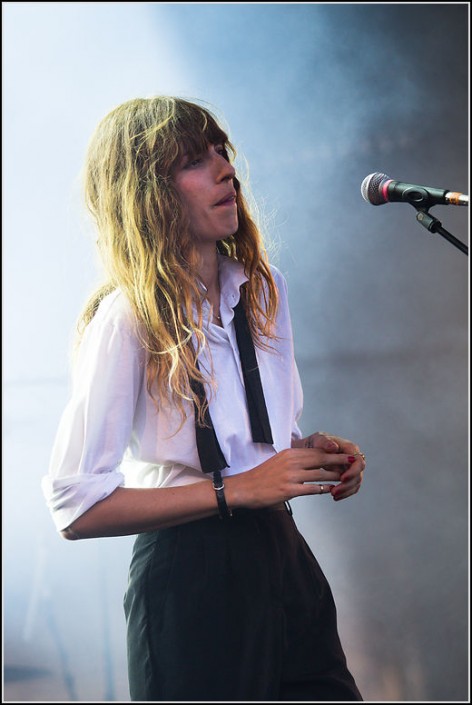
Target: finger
<point>357,462</point>
<point>318,475</point>
<point>350,449</point>
<point>315,489</point>
<point>351,482</point>
<point>335,439</point>
<point>358,455</point>
<point>352,472</point>
<point>323,488</point>
<point>346,446</point>
<point>339,495</point>
<point>346,489</point>
<point>323,441</point>
<point>317,458</point>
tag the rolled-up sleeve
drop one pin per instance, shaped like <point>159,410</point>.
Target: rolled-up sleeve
<point>97,423</point>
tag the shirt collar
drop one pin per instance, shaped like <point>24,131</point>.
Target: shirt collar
<point>232,276</point>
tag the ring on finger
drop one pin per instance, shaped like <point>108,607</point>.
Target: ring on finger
<point>321,489</point>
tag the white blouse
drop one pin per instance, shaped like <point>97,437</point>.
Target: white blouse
<point>111,434</point>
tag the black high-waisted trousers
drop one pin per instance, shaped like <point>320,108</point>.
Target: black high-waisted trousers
<point>237,610</point>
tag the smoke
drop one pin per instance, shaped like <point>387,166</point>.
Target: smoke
<point>317,96</point>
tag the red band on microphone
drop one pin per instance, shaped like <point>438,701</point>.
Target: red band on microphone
<point>384,189</point>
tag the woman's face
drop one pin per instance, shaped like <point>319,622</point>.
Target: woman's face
<point>205,185</point>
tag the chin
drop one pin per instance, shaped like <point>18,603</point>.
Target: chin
<point>233,230</point>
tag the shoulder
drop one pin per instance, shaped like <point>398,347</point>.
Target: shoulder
<point>110,348</point>
<point>279,278</point>
<point>115,310</point>
<point>114,321</point>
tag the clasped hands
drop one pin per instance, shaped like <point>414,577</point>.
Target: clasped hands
<point>349,475</point>
<point>317,464</point>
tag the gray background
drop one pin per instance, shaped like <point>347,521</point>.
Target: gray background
<point>317,96</point>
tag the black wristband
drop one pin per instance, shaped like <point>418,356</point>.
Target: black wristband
<point>219,487</point>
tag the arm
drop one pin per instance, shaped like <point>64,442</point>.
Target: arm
<point>134,510</point>
<point>286,475</point>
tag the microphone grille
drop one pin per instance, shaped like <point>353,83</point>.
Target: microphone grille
<point>370,188</point>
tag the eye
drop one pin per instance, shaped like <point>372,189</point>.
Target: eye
<point>193,163</point>
<point>221,150</point>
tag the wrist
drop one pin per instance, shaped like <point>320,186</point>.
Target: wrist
<point>239,491</point>
<point>219,489</point>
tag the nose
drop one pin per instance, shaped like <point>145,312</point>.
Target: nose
<point>225,170</point>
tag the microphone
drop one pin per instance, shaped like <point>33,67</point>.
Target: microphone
<point>378,189</point>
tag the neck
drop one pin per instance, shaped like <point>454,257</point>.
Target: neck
<point>208,268</point>
<point>209,276</point>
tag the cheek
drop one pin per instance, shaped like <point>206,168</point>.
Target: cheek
<point>190,199</point>
<point>186,206</point>
<point>194,211</point>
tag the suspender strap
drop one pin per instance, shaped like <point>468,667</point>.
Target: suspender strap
<point>259,418</point>
<point>209,450</point>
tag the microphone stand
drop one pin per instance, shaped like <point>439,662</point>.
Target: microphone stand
<point>435,226</point>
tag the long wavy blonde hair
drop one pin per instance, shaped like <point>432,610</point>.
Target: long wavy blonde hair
<point>145,241</point>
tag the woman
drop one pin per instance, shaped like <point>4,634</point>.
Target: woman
<point>182,425</point>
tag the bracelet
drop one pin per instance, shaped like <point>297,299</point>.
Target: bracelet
<point>219,487</point>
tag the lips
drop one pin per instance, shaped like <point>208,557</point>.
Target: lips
<point>227,200</point>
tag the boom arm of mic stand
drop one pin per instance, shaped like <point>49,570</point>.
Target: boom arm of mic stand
<point>432,224</point>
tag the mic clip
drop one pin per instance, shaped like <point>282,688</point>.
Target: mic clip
<point>433,225</point>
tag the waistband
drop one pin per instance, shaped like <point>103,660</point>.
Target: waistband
<point>279,507</point>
